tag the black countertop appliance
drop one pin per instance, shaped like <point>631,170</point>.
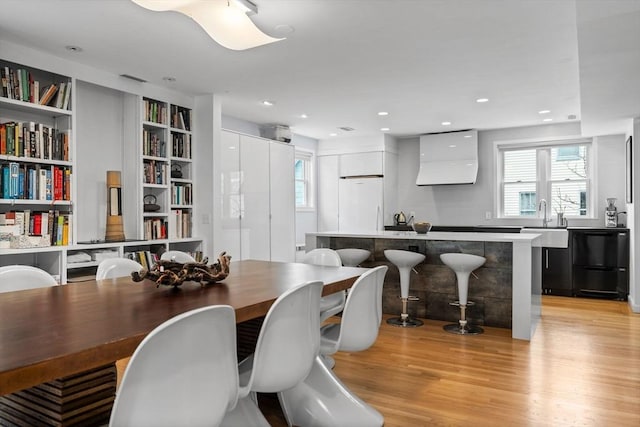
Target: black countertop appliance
<point>600,266</point>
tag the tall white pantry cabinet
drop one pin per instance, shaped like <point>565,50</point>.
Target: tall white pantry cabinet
<point>257,203</point>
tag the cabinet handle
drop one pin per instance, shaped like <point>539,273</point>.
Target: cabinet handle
<point>546,253</point>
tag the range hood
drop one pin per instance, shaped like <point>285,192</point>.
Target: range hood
<point>448,158</point>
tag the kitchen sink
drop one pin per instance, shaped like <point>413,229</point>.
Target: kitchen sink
<point>550,237</point>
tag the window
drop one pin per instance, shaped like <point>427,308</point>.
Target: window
<point>303,180</point>
<point>559,174</point>
<point>527,203</point>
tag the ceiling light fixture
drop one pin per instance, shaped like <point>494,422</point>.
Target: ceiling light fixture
<point>544,111</point>
<point>452,146</point>
<point>303,116</point>
<point>333,134</point>
<point>384,129</point>
<point>267,103</point>
<point>547,120</point>
<point>226,21</point>
<point>76,49</point>
<point>383,113</point>
<point>481,100</point>
<point>445,123</point>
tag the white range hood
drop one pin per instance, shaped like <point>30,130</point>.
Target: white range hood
<point>448,158</point>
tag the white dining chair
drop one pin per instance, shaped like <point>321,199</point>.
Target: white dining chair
<point>116,267</point>
<point>287,345</point>
<point>322,399</point>
<point>20,277</point>
<point>331,304</point>
<point>183,373</point>
<point>177,256</point>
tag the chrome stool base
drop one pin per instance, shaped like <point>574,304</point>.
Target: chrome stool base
<point>455,328</point>
<point>405,323</point>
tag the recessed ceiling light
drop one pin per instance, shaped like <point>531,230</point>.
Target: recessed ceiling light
<point>452,146</point>
<point>333,134</point>
<point>383,113</point>
<point>481,100</point>
<point>267,103</point>
<point>384,129</point>
<point>467,136</point>
<point>445,123</point>
<point>303,116</point>
<point>169,79</point>
<point>544,111</point>
<point>547,120</point>
<point>75,49</point>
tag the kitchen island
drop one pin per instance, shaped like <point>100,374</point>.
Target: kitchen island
<point>507,289</point>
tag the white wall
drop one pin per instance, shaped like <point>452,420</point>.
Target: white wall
<point>99,148</point>
<point>634,220</point>
<point>468,204</point>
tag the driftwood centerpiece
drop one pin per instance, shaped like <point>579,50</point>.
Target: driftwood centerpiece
<point>171,273</point>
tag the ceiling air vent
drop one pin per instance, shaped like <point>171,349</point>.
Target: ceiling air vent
<point>346,128</point>
<point>138,79</point>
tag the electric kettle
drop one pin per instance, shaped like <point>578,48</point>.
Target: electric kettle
<point>400,219</point>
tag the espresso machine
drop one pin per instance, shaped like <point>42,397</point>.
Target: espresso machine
<point>611,213</point>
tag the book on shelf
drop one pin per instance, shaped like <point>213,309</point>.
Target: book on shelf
<point>48,93</point>
<point>20,84</point>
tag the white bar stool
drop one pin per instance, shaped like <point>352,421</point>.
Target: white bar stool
<point>353,257</point>
<point>463,265</point>
<point>405,261</point>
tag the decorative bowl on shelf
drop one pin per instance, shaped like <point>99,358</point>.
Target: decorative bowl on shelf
<point>421,227</point>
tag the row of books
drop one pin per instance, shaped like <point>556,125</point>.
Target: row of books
<point>147,259</point>
<point>35,182</point>
<point>181,194</point>
<point>155,111</point>
<point>155,172</point>
<point>180,118</point>
<point>33,140</point>
<point>152,145</point>
<point>53,223</point>
<point>155,228</point>
<point>180,226</point>
<point>181,145</point>
<point>19,84</point>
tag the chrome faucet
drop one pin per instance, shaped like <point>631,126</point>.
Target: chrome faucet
<point>542,206</point>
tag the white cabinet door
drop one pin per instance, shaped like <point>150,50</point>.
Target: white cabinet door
<point>283,203</point>
<point>361,164</point>
<point>254,174</point>
<point>361,204</point>
<point>328,178</point>
<point>230,195</point>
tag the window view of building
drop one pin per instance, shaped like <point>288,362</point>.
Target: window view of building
<point>559,174</point>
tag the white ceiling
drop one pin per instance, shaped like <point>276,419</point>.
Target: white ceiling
<point>423,61</point>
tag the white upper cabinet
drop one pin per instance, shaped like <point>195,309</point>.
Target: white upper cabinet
<point>361,164</point>
<point>283,202</point>
<point>328,178</point>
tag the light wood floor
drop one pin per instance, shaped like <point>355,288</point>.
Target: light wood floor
<point>582,368</point>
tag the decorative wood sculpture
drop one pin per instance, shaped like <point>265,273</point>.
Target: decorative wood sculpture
<point>171,273</point>
<point>115,228</point>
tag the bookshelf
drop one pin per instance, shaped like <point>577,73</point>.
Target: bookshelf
<point>155,167</point>
<point>181,195</point>
<point>37,161</point>
<point>167,170</point>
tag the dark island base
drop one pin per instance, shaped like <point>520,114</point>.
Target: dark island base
<point>435,283</point>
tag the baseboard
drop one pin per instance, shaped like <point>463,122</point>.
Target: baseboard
<point>635,307</point>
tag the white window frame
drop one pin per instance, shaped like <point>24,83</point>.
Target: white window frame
<point>309,179</point>
<point>543,172</point>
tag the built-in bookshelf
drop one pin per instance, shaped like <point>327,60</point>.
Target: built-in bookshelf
<point>181,195</point>
<point>155,170</point>
<point>167,169</point>
<point>36,159</point>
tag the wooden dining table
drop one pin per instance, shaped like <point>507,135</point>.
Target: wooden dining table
<point>61,334</point>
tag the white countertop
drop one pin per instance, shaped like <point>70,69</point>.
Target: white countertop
<point>531,238</point>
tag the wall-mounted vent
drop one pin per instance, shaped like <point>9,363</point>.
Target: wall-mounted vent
<point>346,128</point>
<point>138,79</point>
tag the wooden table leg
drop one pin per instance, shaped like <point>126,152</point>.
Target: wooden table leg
<point>83,399</point>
